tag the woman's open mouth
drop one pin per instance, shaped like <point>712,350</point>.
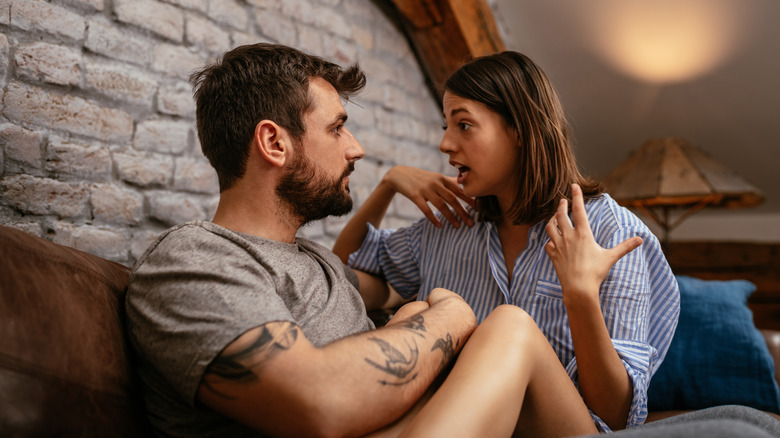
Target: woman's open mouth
<point>463,173</point>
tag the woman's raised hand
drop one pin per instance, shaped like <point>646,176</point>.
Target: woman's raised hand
<point>580,262</point>
<point>423,187</point>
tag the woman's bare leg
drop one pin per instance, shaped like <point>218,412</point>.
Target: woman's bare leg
<point>507,378</point>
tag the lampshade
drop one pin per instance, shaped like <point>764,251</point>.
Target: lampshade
<point>672,173</point>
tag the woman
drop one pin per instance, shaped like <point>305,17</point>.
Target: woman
<point>507,136</point>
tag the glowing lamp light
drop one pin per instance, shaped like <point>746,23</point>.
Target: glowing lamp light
<point>666,41</point>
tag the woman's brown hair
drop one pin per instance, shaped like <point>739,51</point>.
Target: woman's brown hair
<point>510,84</point>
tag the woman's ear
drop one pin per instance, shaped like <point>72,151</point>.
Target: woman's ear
<point>272,142</point>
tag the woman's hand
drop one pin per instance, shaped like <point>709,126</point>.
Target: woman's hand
<point>423,187</point>
<point>581,264</point>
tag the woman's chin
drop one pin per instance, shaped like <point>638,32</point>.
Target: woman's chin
<point>471,193</point>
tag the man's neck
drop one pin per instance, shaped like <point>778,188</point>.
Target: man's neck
<point>257,214</point>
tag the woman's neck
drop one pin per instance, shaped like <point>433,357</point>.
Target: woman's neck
<point>514,239</point>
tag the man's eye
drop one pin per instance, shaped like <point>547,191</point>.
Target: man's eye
<point>337,129</point>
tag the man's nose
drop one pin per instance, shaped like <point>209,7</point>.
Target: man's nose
<point>354,150</point>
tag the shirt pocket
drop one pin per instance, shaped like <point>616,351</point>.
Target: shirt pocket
<point>549,289</point>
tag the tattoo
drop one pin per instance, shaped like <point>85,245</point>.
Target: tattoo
<point>242,366</point>
<point>447,349</point>
<point>396,363</point>
<point>415,324</point>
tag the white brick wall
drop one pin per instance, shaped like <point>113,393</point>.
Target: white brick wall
<point>98,148</point>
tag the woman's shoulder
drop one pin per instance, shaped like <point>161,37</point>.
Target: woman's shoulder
<point>605,212</point>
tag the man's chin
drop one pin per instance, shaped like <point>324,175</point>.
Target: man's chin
<point>343,209</point>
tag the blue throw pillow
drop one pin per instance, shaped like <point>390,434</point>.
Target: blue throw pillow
<point>717,355</point>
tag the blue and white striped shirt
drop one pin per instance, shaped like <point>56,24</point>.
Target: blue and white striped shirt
<point>639,297</point>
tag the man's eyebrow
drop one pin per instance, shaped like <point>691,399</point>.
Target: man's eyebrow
<point>340,119</point>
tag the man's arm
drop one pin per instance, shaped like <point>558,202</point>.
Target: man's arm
<point>274,380</point>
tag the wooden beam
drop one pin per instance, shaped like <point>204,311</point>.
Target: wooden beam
<point>444,34</point>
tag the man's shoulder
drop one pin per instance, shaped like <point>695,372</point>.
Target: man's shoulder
<point>320,250</point>
<point>178,238</point>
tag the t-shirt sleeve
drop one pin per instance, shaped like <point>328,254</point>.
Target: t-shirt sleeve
<point>191,298</point>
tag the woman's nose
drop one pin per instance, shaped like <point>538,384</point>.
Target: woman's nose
<point>446,144</point>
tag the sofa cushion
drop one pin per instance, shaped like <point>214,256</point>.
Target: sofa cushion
<point>64,365</point>
<point>717,355</point>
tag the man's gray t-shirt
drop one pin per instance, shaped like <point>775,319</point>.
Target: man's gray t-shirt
<point>201,286</point>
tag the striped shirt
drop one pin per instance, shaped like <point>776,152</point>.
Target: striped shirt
<point>640,300</point>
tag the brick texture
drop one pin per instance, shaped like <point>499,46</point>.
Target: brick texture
<point>98,147</point>
<point>48,63</point>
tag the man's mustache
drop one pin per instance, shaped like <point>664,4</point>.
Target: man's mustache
<point>350,168</point>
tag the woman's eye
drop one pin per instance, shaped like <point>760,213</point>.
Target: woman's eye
<point>464,126</point>
<point>443,127</point>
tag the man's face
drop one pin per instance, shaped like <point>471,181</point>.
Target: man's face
<point>316,183</point>
<point>310,193</point>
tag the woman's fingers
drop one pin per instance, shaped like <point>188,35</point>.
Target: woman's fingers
<point>618,251</point>
<point>425,188</point>
<point>451,198</point>
<point>578,212</point>
<point>451,184</point>
<point>427,212</point>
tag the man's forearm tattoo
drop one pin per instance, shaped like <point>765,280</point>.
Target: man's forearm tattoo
<point>447,349</point>
<point>415,324</point>
<point>242,366</point>
<point>397,364</point>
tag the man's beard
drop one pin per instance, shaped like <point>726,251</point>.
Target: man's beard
<point>309,194</point>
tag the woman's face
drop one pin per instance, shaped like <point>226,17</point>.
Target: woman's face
<point>481,146</point>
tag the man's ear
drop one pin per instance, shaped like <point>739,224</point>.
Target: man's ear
<point>272,142</point>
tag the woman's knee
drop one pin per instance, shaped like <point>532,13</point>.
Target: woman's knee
<point>512,325</point>
<point>512,341</point>
<point>509,316</point>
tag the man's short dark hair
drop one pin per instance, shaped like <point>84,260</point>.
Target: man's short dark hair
<point>253,83</point>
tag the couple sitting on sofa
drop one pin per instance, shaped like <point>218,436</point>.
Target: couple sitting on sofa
<point>270,333</point>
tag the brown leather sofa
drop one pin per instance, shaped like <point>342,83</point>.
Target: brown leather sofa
<point>65,367</point>
<point>64,362</point>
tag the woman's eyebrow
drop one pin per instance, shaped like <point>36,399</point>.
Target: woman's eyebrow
<point>455,111</point>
